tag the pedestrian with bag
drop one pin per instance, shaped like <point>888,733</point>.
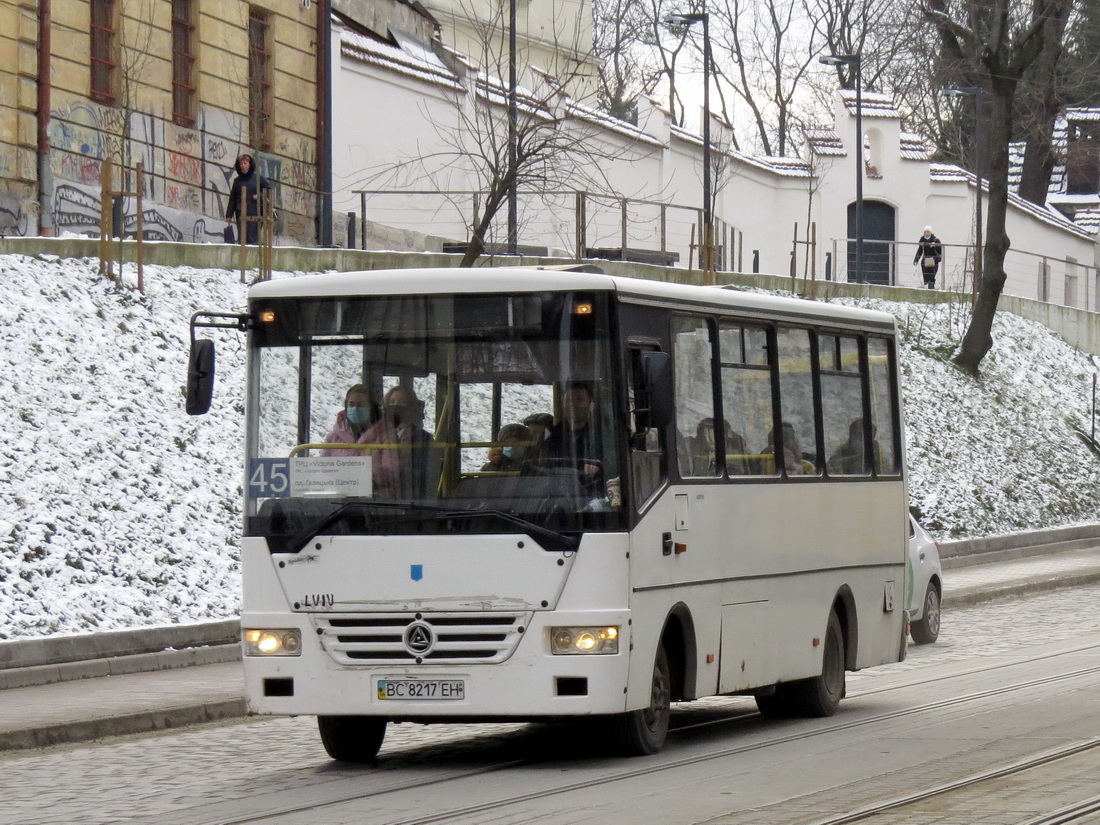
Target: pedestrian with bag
<point>246,198</point>
<point>929,256</point>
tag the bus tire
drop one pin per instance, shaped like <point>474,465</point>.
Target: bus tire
<point>643,732</point>
<point>777,705</point>
<point>821,695</point>
<point>927,629</point>
<point>352,738</point>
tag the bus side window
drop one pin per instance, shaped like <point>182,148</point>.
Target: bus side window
<point>746,398</point>
<point>842,404</point>
<point>696,444</point>
<point>883,412</point>
<point>796,401</point>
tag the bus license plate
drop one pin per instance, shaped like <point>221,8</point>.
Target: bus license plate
<point>421,689</point>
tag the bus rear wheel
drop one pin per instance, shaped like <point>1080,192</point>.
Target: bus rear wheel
<point>643,732</point>
<point>352,738</point>
<point>821,695</point>
<point>817,696</point>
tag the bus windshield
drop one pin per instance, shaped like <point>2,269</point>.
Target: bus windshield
<point>432,414</point>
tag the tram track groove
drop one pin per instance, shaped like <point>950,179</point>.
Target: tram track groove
<point>1070,813</point>
<point>1009,769</point>
<point>976,670</point>
<point>589,782</point>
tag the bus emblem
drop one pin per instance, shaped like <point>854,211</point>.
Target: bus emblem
<point>416,571</point>
<point>419,638</point>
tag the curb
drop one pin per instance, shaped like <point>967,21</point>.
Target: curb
<point>34,675</point>
<point>56,650</point>
<point>967,596</point>
<point>146,722</point>
<point>966,552</point>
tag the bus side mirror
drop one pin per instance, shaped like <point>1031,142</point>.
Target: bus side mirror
<point>657,386</point>
<point>200,377</point>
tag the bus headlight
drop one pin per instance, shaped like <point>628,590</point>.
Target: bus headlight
<point>580,640</point>
<point>278,642</point>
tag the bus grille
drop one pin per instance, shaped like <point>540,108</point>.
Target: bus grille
<point>378,638</point>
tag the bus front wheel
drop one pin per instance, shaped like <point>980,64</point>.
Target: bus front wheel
<point>643,732</point>
<point>351,738</point>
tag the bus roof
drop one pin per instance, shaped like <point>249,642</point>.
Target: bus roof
<point>451,280</point>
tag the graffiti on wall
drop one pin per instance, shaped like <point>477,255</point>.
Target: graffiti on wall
<point>189,172</point>
<point>300,177</point>
<point>77,209</point>
<point>14,220</point>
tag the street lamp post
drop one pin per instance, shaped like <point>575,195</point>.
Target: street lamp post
<point>682,21</point>
<point>979,252</point>
<point>513,194</point>
<point>853,60</point>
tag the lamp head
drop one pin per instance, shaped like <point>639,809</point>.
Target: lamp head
<point>679,22</point>
<point>839,59</point>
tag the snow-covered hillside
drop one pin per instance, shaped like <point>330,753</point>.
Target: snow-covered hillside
<point>118,510</point>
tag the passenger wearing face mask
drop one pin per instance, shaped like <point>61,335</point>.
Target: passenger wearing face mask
<point>359,413</point>
<point>507,455</point>
<point>405,466</point>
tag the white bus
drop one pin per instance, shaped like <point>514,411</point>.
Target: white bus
<point>717,507</point>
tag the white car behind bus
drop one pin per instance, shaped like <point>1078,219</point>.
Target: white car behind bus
<point>925,590</point>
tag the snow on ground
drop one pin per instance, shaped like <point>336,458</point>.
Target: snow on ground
<point>118,510</point>
<point>998,454</point>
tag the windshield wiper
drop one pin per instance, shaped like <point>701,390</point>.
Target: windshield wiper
<point>294,544</point>
<point>547,538</point>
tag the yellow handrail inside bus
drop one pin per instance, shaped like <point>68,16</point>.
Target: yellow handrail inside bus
<point>367,447</point>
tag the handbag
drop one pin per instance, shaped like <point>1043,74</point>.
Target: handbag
<point>928,262</point>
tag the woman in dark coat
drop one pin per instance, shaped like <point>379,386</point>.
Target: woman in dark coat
<point>929,255</point>
<point>247,187</point>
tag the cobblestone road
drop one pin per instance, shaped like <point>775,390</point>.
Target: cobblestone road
<point>151,777</point>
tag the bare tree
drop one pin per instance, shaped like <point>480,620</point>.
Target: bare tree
<point>557,145</point>
<point>1044,97</point>
<point>884,33</point>
<point>817,166</point>
<point>135,61</point>
<point>629,65</point>
<point>992,43</point>
<point>763,43</point>
<point>668,46</point>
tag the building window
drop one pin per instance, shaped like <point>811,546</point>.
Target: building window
<point>183,62</point>
<point>104,55</point>
<point>259,79</point>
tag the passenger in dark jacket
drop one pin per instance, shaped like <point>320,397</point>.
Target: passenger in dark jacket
<point>929,255</point>
<point>249,188</point>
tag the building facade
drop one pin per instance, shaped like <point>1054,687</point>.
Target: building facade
<point>417,177</point>
<point>181,87</point>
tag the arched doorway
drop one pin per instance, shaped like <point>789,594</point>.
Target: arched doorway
<point>878,243</point>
